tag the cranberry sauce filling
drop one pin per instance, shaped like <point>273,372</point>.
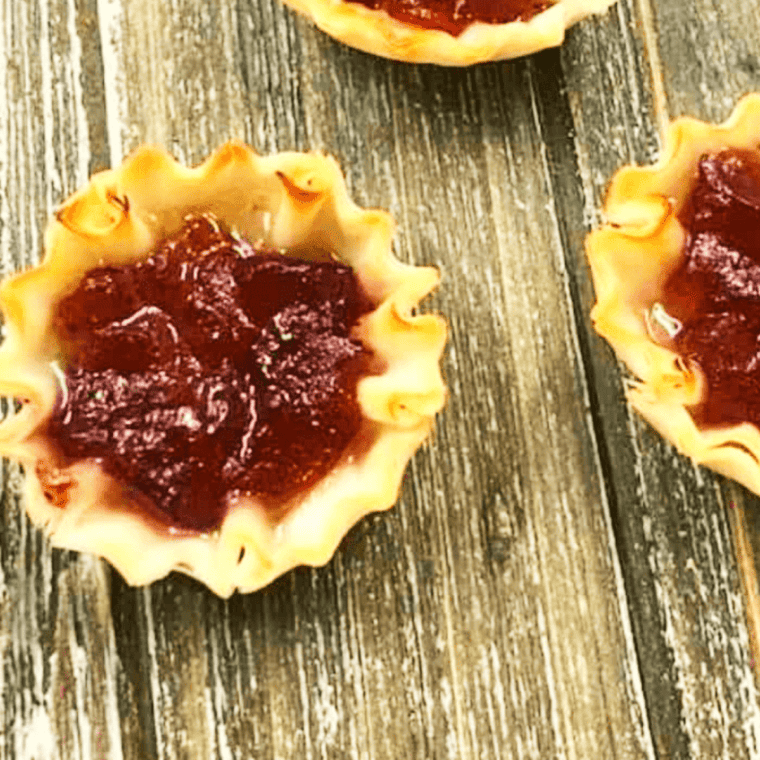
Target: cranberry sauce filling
<point>209,369</point>
<point>454,16</point>
<point>714,296</point>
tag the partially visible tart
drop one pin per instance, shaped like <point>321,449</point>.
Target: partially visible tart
<point>677,276</point>
<point>277,495</point>
<point>448,32</point>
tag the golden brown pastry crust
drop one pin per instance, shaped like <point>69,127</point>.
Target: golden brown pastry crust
<point>376,32</point>
<point>631,258</point>
<point>291,200</point>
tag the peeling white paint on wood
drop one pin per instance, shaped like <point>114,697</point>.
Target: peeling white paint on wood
<point>110,25</point>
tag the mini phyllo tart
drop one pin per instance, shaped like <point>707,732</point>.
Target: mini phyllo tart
<point>218,369</point>
<point>677,277</point>
<point>448,32</point>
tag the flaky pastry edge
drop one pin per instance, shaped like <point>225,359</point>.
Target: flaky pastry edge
<point>631,258</point>
<point>377,32</point>
<point>292,201</point>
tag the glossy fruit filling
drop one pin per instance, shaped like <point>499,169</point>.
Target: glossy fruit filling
<point>454,16</point>
<point>712,301</point>
<point>210,369</point>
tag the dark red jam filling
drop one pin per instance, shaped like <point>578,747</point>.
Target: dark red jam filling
<point>714,296</point>
<point>454,16</point>
<point>210,369</point>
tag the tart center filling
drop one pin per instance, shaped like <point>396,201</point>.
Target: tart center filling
<point>454,16</point>
<point>712,301</point>
<point>212,368</point>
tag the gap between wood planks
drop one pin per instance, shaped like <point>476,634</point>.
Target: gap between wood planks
<point>746,562</point>
<point>659,98</point>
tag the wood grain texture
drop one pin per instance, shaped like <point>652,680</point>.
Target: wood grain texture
<point>555,582</point>
<point>676,546</point>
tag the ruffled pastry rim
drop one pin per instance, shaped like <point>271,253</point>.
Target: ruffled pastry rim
<point>377,32</point>
<point>632,256</point>
<point>294,201</point>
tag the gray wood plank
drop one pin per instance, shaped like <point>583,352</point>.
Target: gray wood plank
<point>56,635</point>
<point>671,521</point>
<point>486,612</point>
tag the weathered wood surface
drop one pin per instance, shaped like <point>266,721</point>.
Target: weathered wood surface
<point>555,581</point>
